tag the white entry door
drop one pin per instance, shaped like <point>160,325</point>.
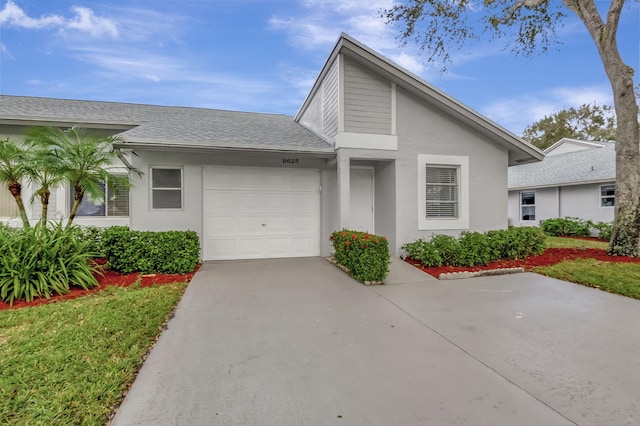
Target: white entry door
<point>252,212</point>
<point>362,200</point>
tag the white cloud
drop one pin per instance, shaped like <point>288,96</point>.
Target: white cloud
<point>409,62</point>
<point>517,112</point>
<point>84,21</point>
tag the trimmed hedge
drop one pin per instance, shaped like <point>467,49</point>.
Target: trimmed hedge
<point>167,252</point>
<point>474,248</point>
<point>366,256</point>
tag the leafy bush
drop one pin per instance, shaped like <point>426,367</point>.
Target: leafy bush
<point>474,248</point>
<point>566,227</point>
<point>424,252</point>
<point>366,256</point>
<point>604,230</point>
<point>93,237</point>
<point>167,252</point>
<point>41,261</point>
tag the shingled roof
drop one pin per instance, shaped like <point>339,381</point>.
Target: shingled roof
<point>572,168</point>
<point>168,126</point>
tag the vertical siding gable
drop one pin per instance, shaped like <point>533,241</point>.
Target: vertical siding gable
<point>331,101</point>
<point>321,114</point>
<point>367,100</point>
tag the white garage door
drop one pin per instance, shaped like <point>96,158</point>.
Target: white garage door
<point>251,212</point>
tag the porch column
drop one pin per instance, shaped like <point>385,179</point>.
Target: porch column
<point>344,188</point>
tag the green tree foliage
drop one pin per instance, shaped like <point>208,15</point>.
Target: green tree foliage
<point>84,160</point>
<point>589,122</point>
<point>529,26</point>
<point>13,162</point>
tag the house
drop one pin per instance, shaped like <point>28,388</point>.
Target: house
<point>373,147</point>
<point>577,179</point>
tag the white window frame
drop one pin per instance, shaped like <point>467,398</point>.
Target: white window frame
<point>528,205</point>
<point>152,189</point>
<point>602,197</point>
<point>461,163</point>
<point>105,201</point>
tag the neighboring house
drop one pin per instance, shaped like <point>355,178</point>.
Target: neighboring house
<point>373,148</point>
<point>577,179</point>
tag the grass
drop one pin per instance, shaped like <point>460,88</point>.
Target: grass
<point>619,278</point>
<point>563,242</point>
<point>70,362</point>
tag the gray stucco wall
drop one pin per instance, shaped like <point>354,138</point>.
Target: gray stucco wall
<point>581,201</point>
<point>423,129</point>
<point>190,216</point>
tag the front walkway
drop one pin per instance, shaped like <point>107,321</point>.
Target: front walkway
<point>297,342</point>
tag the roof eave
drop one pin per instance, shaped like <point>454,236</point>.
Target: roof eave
<point>173,146</point>
<point>554,184</point>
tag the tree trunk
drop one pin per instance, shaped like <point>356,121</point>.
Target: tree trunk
<point>16,190</point>
<point>625,235</point>
<point>44,200</point>
<point>78,194</point>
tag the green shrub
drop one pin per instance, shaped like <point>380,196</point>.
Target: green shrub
<point>93,237</point>
<point>566,227</point>
<point>167,252</point>
<point>41,261</point>
<point>448,248</point>
<point>424,252</point>
<point>474,248</point>
<point>366,256</point>
<point>604,230</point>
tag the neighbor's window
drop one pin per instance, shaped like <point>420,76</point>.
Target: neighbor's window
<point>528,205</point>
<point>115,203</point>
<point>607,195</point>
<point>441,192</point>
<point>166,188</point>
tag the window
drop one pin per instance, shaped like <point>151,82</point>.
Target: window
<point>607,195</point>
<point>443,192</point>
<point>115,203</point>
<point>166,188</point>
<point>528,205</point>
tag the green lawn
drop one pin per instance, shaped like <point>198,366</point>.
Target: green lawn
<point>563,242</point>
<point>619,278</point>
<point>70,362</point>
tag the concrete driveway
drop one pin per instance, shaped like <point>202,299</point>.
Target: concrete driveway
<point>297,342</point>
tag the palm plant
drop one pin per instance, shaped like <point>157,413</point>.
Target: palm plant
<point>85,160</point>
<point>46,171</point>
<point>13,161</point>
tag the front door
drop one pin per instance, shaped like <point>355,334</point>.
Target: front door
<point>362,200</point>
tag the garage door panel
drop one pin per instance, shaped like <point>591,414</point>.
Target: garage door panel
<point>224,248</point>
<point>266,212</point>
<point>219,225</point>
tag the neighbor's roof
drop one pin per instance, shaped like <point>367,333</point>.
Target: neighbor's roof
<point>571,168</point>
<point>166,126</point>
<point>519,150</point>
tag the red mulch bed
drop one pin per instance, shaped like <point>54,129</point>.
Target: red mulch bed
<point>110,278</point>
<point>549,257</point>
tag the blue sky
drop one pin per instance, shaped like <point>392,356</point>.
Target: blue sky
<point>263,55</point>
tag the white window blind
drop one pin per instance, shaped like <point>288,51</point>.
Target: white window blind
<point>442,190</point>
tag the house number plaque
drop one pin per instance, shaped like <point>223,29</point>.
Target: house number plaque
<point>290,161</point>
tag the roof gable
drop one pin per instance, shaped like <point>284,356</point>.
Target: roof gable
<point>519,150</point>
